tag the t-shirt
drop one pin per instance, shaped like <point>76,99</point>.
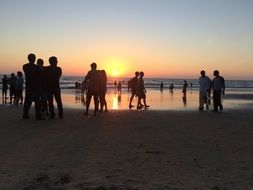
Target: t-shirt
<point>53,75</point>
<point>218,83</point>
<point>204,83</point>
<point>32,75</point>
<point>94,80</point>
<point>19,83</point>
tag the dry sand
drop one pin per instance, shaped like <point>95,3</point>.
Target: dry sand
<point>127,150</point>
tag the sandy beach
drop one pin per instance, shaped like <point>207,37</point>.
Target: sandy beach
<point>127,150</point>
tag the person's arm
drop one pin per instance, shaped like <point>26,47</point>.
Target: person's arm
<point>60,72</point>
<point>223,85</point>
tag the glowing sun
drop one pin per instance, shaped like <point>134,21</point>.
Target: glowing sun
<point>115,68</point>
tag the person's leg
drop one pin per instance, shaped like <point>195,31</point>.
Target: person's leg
<point>219,100</point>
<point>21,97</point>
<point>88,99</point>
<point>201,101</point>
<point>131,99</point>
<point>101,101</point>
<point>139,103</point>
<point>215,100</point>
<point>57,94</point>
<point>95,96</point>
<point>27,103</point>
<point>105,103</point>
<point>36,94</point>
<point>11,95</point>
<point>50,98</point>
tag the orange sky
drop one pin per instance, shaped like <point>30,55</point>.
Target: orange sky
<point>161,38</point>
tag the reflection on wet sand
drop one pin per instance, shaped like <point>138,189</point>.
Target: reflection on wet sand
<point>167,100</point>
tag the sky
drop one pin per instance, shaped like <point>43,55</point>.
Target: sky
<point>163,38</point>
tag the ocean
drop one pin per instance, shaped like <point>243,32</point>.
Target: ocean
<point>68,82</point>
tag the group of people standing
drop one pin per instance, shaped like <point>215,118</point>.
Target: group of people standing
<point>42,86</point>
<point>15,86</point>
<point>205,86</point>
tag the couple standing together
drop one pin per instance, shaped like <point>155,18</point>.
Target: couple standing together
<point>205,86</point>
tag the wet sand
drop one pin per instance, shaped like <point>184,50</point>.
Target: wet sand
<point>127,150</point>
<point>165,100</point>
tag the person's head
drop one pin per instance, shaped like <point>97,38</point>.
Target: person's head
<point>5,76</point>
<point>31,58</point>
<point>137,73</point>
<point>93,66</point>
<point>12,75</point>
<point>19,74</point>
<point>53,61</point>
<point>103,72</point>
<point>141,74</point>
<point>202,73</point>
<point>40,62</point>
<point>216,73</point>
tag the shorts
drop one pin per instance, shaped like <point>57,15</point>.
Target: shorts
<point>19,92</point>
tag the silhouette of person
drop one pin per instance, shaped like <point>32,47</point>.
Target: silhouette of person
<point>43,87</point>
<point>171,86</point>
<point>218,86</point>
<point>4,88</point>
<point>184,99</point>
<point>102,91</point>
<point>12,82</point>
<point>204,86</point>
<point>32,75</point>
<point>19,88</point>
<point>185,85</point>
<point>141,91</point>
<point>93,86</point>
<point>119,87</point>
<point>133,84</point>
<point>53,75</point>
<point>161,86</point>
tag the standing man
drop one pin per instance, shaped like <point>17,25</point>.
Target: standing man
<point>4,88</point>
<point>204,86</point>
<point>12,82</point>
<point>133,84</point>
<point>53,74</point>
<point>218,86</point>
<point>32,75</point>
<point>42,90</point>
<point>92,79</point>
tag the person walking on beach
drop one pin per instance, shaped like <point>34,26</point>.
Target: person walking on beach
<point>43,89</point>
<point>19,88</point>
<point>204,86</point>
<point>92,79</point>
<point>53,75</point>
<point>4,88</point>
<point>102,91</point>
<point>32,74</point>
<point>218,86</point>
<point>141,91</point>
<point>133,84</point>
<point>12,82</point>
